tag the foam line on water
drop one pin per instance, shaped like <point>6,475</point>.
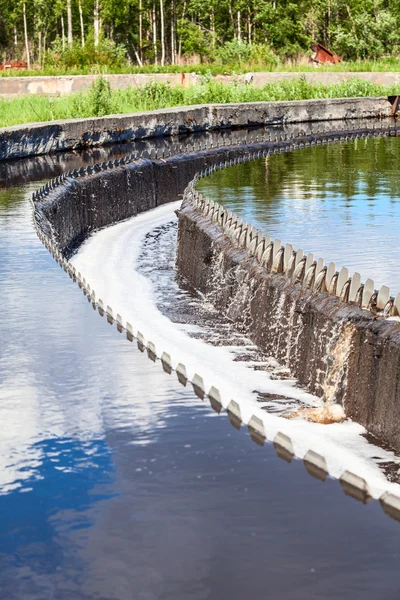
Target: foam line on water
<point>108,261</point>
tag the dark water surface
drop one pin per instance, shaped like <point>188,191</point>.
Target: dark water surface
<point>341,202</point>
<point>118,483</point>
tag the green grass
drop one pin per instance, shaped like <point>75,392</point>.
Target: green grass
<point>100,100</point>
<point>391,64</point>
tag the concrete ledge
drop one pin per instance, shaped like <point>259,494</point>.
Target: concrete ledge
<point>42,138</point>
<point>68,84</point>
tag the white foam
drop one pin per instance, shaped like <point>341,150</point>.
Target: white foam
<point>108,261</point>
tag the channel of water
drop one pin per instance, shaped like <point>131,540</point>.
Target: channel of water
<point>341,202</point>
<point>118,482</point>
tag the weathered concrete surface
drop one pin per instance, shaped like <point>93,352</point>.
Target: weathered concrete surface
<point>335,350</point>
<point>325,78</point>
<point>71,211</point>
<point>68,84</point>
<point>79,206</point>
<point>42,138</point>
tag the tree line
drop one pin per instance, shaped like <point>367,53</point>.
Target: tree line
<point>171,31</point>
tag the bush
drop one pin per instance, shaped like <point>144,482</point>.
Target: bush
<point>234,52</point>
<point>262,55</point>
<point>97,102</point>
<point>194,39</point>
<point>106,54</point>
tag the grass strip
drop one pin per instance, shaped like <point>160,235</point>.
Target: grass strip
<point>100,100</point>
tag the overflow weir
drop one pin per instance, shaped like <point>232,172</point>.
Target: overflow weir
<point>346,353</point>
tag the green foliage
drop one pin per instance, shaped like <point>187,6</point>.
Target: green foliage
<point>227,36</point>
<point>100,97</point>
<point>106,54</point>
<point>369,37</point>
<point>234,52</point>
<point>263,56</point>
<point>194,39</point>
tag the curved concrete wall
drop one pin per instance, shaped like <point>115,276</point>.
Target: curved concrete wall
<point>42,138</point>
<point>333,348</point>
<point>336,349</point>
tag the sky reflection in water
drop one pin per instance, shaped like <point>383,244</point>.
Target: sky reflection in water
<point>341,202</point>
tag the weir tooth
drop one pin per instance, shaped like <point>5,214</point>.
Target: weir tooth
<point>256,425</point>
<point>141,342</point>
<point>299,271</point>
<point>359,295</point>
<point>383,297</point>
<point>248,237</point>
<point>283,446</point>
<point>242,238</point>
<point>391,505</point>
<point>251,234</point>
<point>316,465</point>
<point>277,265</point>
<point>372,304</point>
<point>214,394</point>
<point>345,291</point>
<point>260,250</point>
<point>276,248</point>
<point>248,240</point>
<point>320,281</point>
<point>299,256</point>
<point>319,267</point>
<point>388,308</point>
<point>331,270</point>
<point>181,374</point>
<point>291,266</point>
<point>309,260</point>
<point>355,286</point>
<point>343,277</point>
<point>396,306</point>
<point>288,254</point>
<point>198,386</point>
<point>253,246</point>
<point>333,284</point>
<point>266,259</point>
<point>309,277</point>
<point>234,408</point>
<point>166,362</point>
<point>151,351</point>
<point>232,228</point>
<point>355,486</point>
<point>369,289</point>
